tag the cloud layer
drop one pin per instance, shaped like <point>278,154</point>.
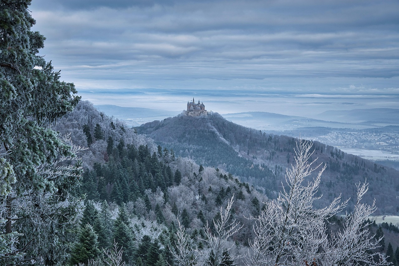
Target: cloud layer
<point>297,46</point>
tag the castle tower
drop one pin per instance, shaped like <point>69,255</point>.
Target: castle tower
<point>196,109</point>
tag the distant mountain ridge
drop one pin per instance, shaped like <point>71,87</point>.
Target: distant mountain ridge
<point>134,116</point>
<point>377,116</point>
<point>261,158</point>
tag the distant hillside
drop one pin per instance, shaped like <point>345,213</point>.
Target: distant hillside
<point>262,158</point>
<point>277,122</point>
<point>378,116</point>
<point>134,116</point>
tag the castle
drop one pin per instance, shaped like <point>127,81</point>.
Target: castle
<point>195,109</point>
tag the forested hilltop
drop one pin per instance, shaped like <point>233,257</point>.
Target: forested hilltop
<point>261,159</point>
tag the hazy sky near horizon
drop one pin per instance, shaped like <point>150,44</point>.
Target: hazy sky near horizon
<point>241,55</point>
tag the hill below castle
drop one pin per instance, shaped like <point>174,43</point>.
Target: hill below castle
<point>261,159</point>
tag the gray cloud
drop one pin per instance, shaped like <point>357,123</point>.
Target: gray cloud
<point>281,46</point>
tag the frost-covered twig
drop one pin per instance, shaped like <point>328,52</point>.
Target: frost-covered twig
<point>114,256</point>
<point>290,231</point>
<point>224,229</point>
<point>184,254</point>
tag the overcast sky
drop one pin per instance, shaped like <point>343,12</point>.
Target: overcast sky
<point>239,55</point>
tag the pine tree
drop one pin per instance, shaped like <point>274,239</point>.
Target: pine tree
<point>141,254</point>
<point>226,260</point>
<point>89,214</point>
<point>177,177</point>
<point>98,132</point>
<point>147,203</point>
<point>153,253</point>
<point>110,145</point>
<point>201,217</point>
<point>379,235</point>
<point>86,130</point>
<point>212,259</point>
<point>397,254</point>
<point>174,209</point>
<point>123,235</point>
<point>161,261</point>
<point>105,220</point>
<point>87,248</point>
<point>32,97</point>
<point>158,212</point>
<point>185,219</point>
<point>390,253</point>
<point>103,238</point>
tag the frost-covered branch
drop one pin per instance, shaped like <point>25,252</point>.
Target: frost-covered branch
<point>114,256</point>
<point>183,253</point>
<point>290,231</point>
<point>224,228</point>
<point>354,245</point>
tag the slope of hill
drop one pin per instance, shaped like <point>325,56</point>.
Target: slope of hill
<point>156,189</point>
<point>261,158</point>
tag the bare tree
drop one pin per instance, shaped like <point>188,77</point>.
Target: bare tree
<point>184,254</point>
<point>355,245</point>
<point>290,231</point>
<point>224,228</point>
<point>114,256</point>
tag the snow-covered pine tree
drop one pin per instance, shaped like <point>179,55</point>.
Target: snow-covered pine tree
<point>32,97</point>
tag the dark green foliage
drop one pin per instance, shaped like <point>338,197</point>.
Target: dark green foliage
<point>226,260</point>
<point>185,219</point>
<point>240,195</point>
<point>201,217</point>
<point>147,202</point>
<point>89,214</point>
<point>159,151</point>
<point>103,237</point>
<point>380,234</point>
<point>212,259</point>
<point>177,178</point>
<point>90,183</point>
<point>158,213</point>
<point>390,227</point>
<point>397,255</point>
<point>123,235</point>
<point>98,132</point>
<point>120,147</point>
<point>127,174</point>
<point>144,247</point>
<point>152,256</point>
<point>86,130</point>
<point>122,217</point>
<point>256,205</point>
<point>390,253</point>
<point>174,209</point>
<point>218,200</point>
<point>107,223</point>
<point>110,145</point>
<point>87,247</point>
<point>32,97</point>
